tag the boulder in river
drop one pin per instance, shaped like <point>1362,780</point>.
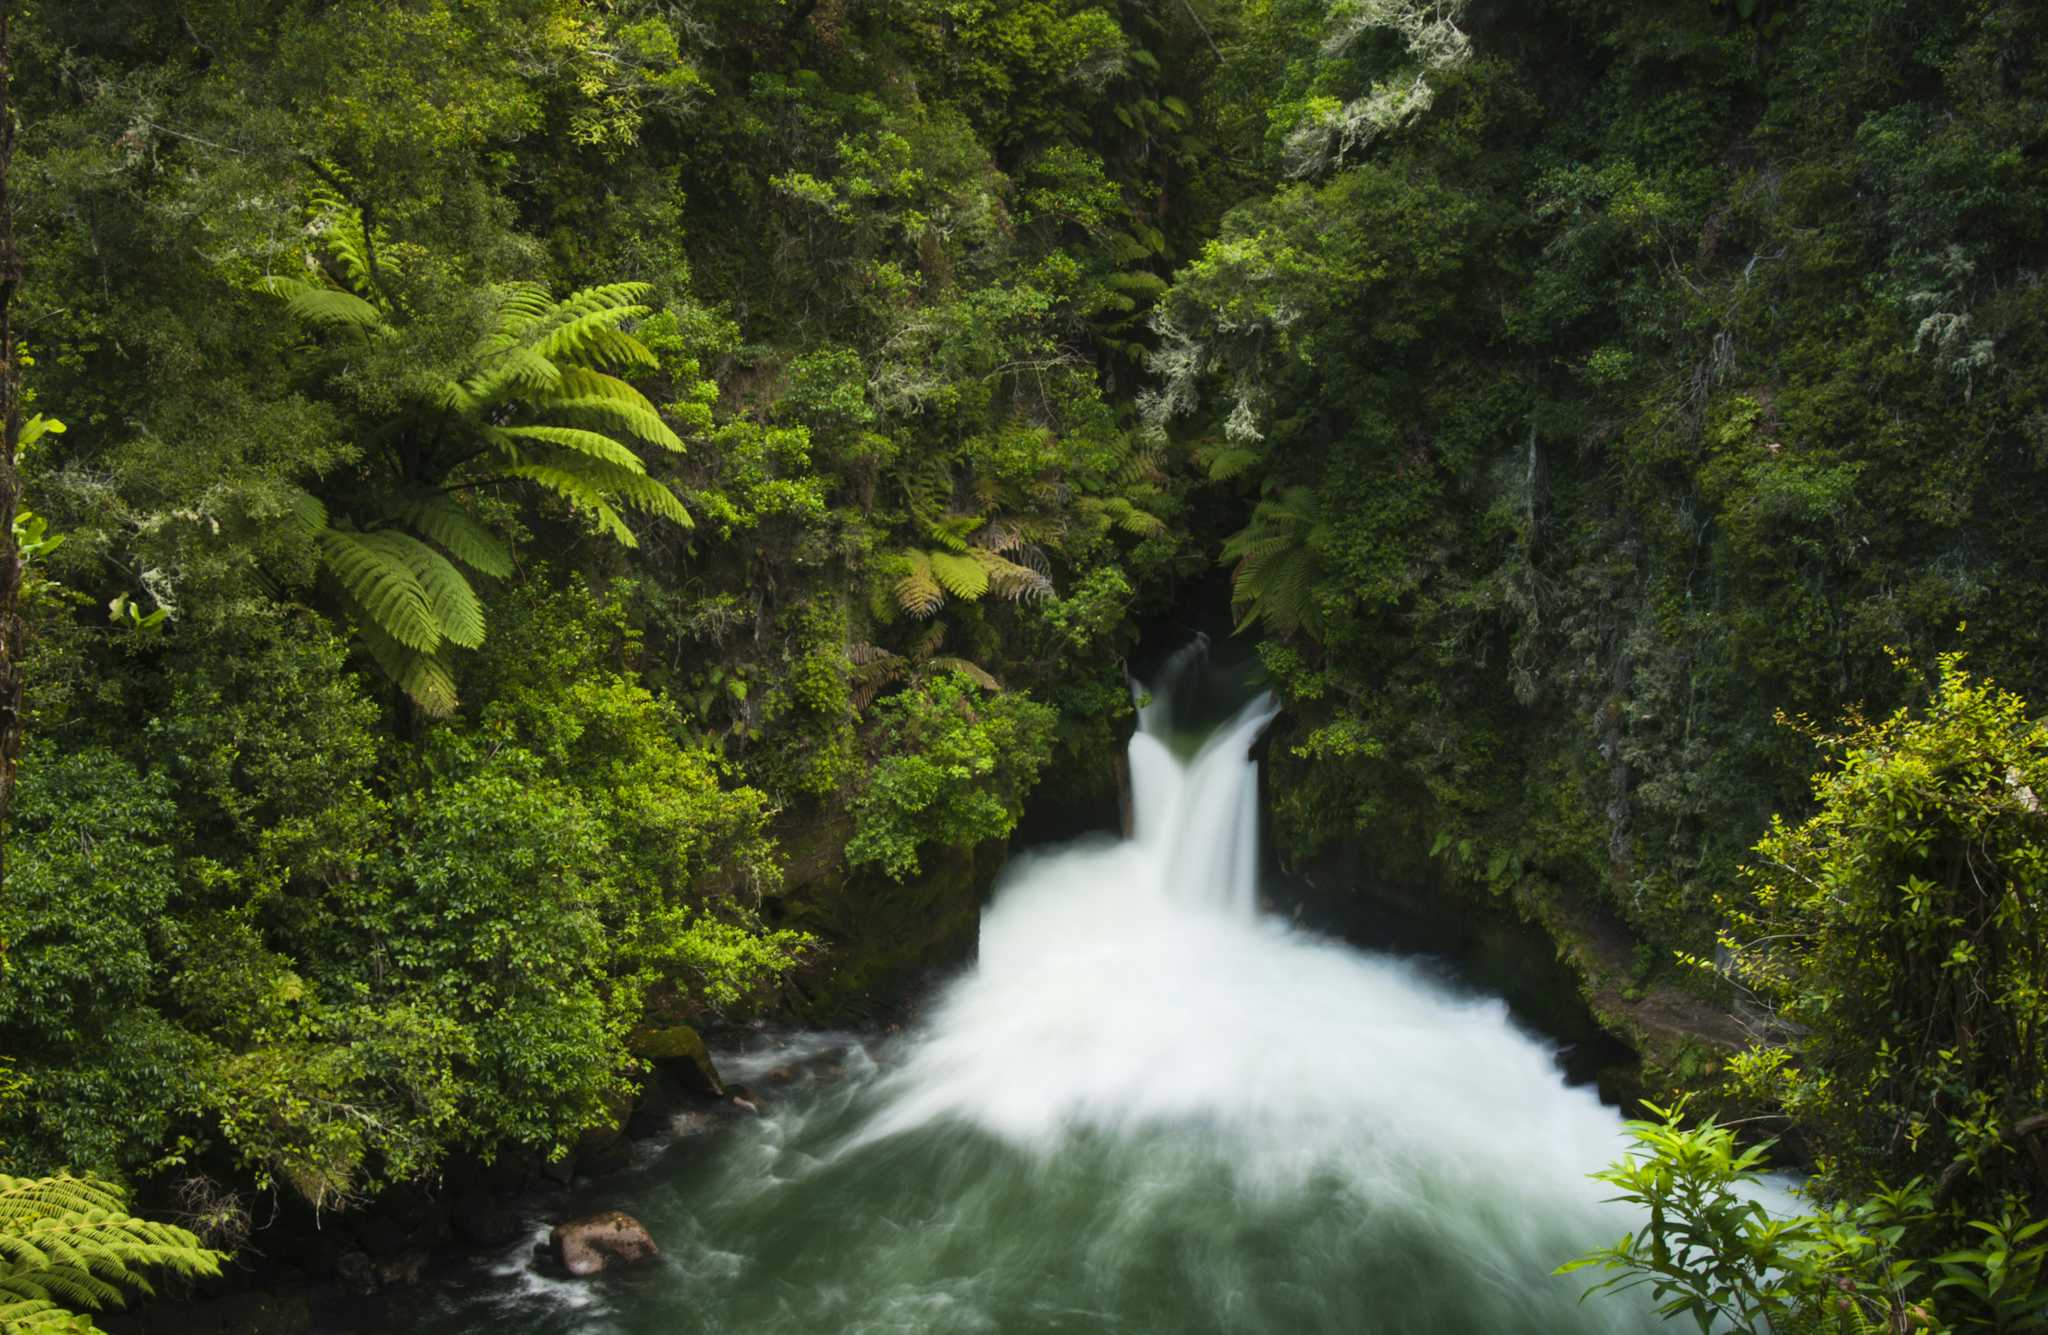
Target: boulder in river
<point>679,1051</point>
<point>601,1242</point>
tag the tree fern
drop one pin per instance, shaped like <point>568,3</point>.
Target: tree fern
<point>379,579</point>
<point>919,592</point>
<point>440,517</point>
<point>962,576</point>
<point>1278,566</point>
<point>534,402</point>
<point>876,668</point>
<point>317,304</point>
<point>69,1242</point>
<point>425,676</point>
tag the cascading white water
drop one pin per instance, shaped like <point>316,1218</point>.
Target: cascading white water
<point>1131,990</point>
<point>1150,1108</point>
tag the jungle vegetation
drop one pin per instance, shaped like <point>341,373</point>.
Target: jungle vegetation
<point>492,478</point>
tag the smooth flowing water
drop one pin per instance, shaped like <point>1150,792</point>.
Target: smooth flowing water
<point>1148,1108</point>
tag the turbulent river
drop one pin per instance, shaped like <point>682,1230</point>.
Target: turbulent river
<point>1148,1108</point>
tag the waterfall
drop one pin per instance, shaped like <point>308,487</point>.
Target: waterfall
<point>1148,1107</point>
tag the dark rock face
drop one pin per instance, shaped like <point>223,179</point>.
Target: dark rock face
<point>678,1052</point>
<point>886,940</point>
<point>482,1219</point>
<point>602,1242</point>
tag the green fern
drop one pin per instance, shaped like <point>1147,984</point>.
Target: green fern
<point>534,403</point>
<point>875,668</point>
<point>439,517</point>
<point>69,1242</point>
<point>962,576</point>
<point>377,575</point>
<point>1278,566</point>
<point>918,591</point>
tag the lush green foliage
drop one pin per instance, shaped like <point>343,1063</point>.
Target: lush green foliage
<point>1660,371</point>
<point>1713,1250</point>
<point>955,771</point>
<point>1898,936</point>
<point>1564,386</point>
<point>69,1242</point>
<point>530,401</point>
<point>855,305</point>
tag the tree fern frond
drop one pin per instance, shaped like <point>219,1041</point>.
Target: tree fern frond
<point>919,592</point>
<point>962,576</point>
<point>521,308</point>
<point>1277,563</point>
<point>863,654</point>
<point>503,375</point>
<point>338,225</point>
<point>426,678</point>
<point>307,511</point>
<point>376,571</point>
<point>458,616</point>
<point>317,304</point>
<point>639,419</point>
<point>68,1242</point>
<point>594,338</point>
<point>594,444</point>
<point>603,297</point>
<point>1011,580</point>
<point>594,486</point>
<point>1000,535</point>
<point>1229,461</point>
<point>588,481</point>
<point>440,517</point>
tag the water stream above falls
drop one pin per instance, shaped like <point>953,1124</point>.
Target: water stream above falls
<point>1147,1108</point>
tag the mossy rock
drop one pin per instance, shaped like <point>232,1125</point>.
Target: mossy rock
<point>679,1049</point>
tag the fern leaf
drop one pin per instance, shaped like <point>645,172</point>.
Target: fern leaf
<point>589,301</point>
<point>307,512</point>
<point>638,419</point>
<point>458,616</point>
<point>377,574</point>
<point>962,576</point>
<point>595,486</point>
<point>1008,579</point>
<point>918,592</point>
<point>589,481</point>
<point>1277,564</point>
<point>504,375</point>
<point>595,444</point>
<point>440,517</point>
<point>68,1242</point>
<point>1230,462</point>
<point>927,644</point>
<point>864,654</point>
<point>339,226</point>
<point>317,304</point>
<point>521,309</point>
<point>426,678</point>
<point>594,339</point>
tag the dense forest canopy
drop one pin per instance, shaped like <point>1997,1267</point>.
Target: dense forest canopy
<point>534,472</point>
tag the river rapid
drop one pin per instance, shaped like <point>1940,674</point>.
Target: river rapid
<point>1147,1108</point>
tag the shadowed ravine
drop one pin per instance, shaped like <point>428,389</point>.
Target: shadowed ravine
<point>1148,1108</point>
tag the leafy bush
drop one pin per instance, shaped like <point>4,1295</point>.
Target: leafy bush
<point>1712,1250</point>
<point>1901,935</point>
<point>954,770</point>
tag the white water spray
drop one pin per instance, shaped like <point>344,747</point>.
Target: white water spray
<point>1132,987</point>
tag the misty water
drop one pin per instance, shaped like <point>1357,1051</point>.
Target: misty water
<point>1147,1108</point>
